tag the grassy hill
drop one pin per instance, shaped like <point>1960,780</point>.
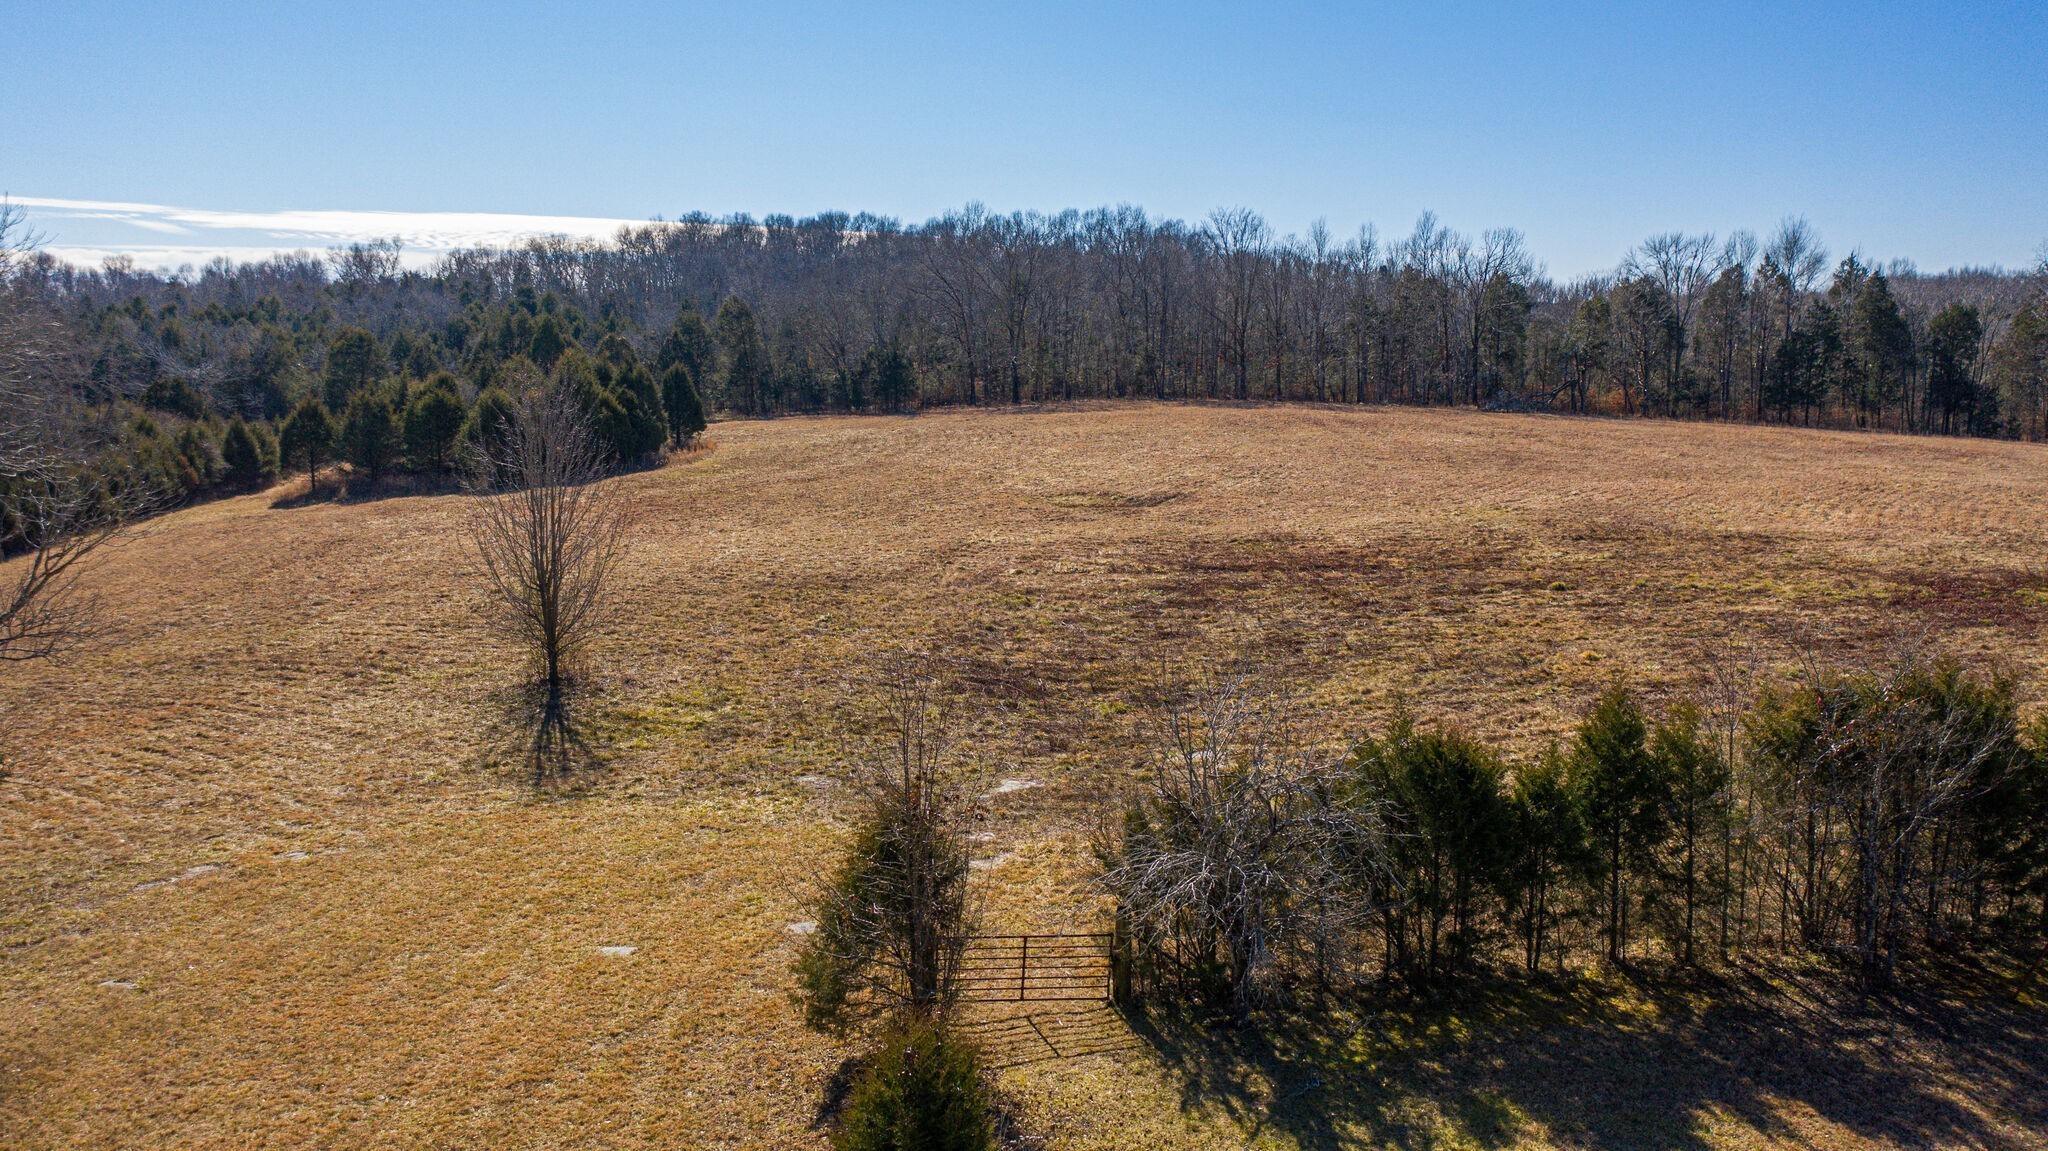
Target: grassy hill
<point>272,874</point>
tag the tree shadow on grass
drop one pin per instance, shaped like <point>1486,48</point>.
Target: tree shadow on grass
<point>344,490</point>
<point>1615,1062</point>
<point>547,730</point>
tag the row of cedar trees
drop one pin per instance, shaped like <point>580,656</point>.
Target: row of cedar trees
<point>862,313</point>
<point>1863,815</point>
<point>380,422</point>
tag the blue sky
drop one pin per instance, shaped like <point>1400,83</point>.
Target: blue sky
<point>1916,131</point>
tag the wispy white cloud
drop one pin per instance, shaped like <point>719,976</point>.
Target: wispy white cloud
<point>88,231</point>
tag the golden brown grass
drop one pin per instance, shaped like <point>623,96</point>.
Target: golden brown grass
<point>315,679</point>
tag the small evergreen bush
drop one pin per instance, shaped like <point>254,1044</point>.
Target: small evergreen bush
<point>249,456</point>
<point>923,1090</point>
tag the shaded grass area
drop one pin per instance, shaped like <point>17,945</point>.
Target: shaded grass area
<point>1757,1056</point>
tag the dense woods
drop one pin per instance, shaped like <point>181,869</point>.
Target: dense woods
<point>673,322</point>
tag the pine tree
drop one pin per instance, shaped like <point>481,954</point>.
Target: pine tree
<point>688,343</point>
<point>354,362</point>
<point>2019,364</point>
<point>267,451</point>
<point>1883,352</point>
<point>198,460</point>
<point>609,421</point>
<point>748,373</point>
<point>1622,797</point>
<point>174,395</point>
<point>884,375</point>
<point>247,464</point>
<point>550,340</point>
<point>433,422</point>
<point>372,434</point>
<point>1953,338</point>
<point>1548,845</point>
<point>1697,778</point>
<point>1443,795</point>
<point>685,408</point>
<point>309,439</point>
<point>489,423</point>
<point>923,1088</point>
<point>632,385</point>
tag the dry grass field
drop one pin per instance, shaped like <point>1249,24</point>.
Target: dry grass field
<point>270,875</point>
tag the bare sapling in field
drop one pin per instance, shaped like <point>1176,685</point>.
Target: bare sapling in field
<point>1237,864</point>
<point>893,920</point>
<point>548,538</point>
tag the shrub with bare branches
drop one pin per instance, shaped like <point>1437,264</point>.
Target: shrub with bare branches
<point>1236,859</point>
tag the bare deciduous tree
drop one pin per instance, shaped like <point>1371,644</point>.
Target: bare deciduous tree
<point>44,612</point>
<point>1902,751</point>
<point>50,506</point>
<point>548,539</point>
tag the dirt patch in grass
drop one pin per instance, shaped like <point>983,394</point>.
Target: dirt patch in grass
<point>396,944</point>
<point>2012,601</point>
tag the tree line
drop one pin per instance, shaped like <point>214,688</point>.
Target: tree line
<point>863,313</point>
<point>1866,814</point>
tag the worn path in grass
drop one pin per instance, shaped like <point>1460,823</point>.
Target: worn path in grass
<point>315,681</point>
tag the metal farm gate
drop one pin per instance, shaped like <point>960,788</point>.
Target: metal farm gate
<point>1037,968</point>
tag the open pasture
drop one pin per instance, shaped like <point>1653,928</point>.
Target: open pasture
<point>271,876</point>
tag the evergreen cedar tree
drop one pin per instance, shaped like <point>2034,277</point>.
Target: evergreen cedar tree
<point>308,438</point>
<point>1695,779</point>
<point>685,362</point>
<point>433,425</point>
<point>1953,339</point>
<point>749,377</point>
<point>1443,795</point>
<point>645,427</point>
<point>922,1088</point>
<point>173,395</point>
<point>550,339</point>
<point>618,397</point>
<point>1547,849</point>
<point>884,378</point>
<point>372,434</point>
<point>684,406</point>
<point>354,363</point>
<point>489,422</point>
<point>174,466</point>
<point>1624,798</point>
<point>249,458</point>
